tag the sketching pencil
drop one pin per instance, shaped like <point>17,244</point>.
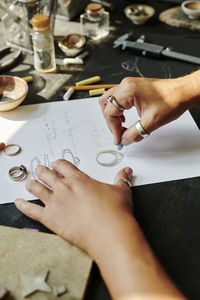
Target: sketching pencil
<point>89,87</point>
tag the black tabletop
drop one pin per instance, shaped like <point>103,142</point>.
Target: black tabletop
<point>168,212</point>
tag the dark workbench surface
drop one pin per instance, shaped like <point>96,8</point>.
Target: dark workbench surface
<point>169,213</point>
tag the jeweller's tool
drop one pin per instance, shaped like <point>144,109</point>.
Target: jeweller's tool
<point>90,87</point>
<point>17,173</point>
<point>76,60</point>
<point>68,94</point>
<point>88,81</point>
<point>5,64</point>
<point>152,50</point>
<point>96,92</point>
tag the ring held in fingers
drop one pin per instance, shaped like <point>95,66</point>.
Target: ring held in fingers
<point>123,180</point>
<point>113,100</point>
<point>141,130</point>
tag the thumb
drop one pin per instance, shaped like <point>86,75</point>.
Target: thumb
<point>124,177</point>
<point>132,134</point>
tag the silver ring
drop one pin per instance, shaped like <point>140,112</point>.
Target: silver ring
<point>113,100</point>
<point>17,173</point>
<point>141,130</point>
<point>123,180</point>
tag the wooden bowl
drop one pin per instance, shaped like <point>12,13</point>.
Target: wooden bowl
<point>13,91</point>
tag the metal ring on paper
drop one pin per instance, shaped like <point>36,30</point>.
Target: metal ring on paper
<point>17,173</point>
<point>117,158</point>
<point>12,153</point>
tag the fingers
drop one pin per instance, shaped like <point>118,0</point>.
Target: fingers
<point>34,211</point>
<point>70,172</point>
<point>132,134</point>
<point>113,116</point>
<point>64,167</point>
<point>126,174</point>
<point>46,175</point>
<point>39,190</point>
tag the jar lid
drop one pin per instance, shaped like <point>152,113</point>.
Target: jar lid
<point>94,8</point>
<point>40,21</point>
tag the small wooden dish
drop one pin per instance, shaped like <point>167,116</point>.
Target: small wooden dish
<point>13,91</point>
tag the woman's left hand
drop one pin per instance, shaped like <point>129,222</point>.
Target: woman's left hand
<point>77,207</point>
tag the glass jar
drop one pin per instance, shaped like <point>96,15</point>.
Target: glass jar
<point>43,44</point>
<point>95,22</point>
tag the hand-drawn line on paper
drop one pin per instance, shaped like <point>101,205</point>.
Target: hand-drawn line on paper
<point>131,66</point>
<point>109,158</point>
<point>36,161</point>
<point>68,130</point>
<point>75,159</point>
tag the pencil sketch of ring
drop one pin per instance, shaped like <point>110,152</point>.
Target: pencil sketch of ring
<point>8,146</point>
<point>141,130</point>
<point>113,100</point>
<point>17,173</point>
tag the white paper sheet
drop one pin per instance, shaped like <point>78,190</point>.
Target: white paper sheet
<point>76,130</point>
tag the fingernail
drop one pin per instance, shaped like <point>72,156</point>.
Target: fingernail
<point>129,173</point>
<point>126,142</point>
<point>119,146</point>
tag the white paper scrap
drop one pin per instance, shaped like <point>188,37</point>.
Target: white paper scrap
<point>76,131</point>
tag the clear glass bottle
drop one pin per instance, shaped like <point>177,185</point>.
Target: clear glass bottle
<point>43,44</point>
<point>95,21</point>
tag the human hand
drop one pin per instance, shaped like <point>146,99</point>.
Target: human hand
<point>80,209</point>
<point>158,102</point>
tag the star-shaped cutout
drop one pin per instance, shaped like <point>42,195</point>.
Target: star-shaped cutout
<point>35,283</point>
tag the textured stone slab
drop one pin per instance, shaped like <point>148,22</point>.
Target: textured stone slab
<point>24,252</point>
<point>176,17</point>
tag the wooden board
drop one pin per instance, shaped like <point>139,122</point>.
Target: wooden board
<point>24,252</point>
<point>176,17</point>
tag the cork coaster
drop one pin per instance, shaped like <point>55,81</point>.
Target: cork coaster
<point>176,17</point>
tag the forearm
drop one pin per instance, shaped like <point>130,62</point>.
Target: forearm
<point>131,270</point>
<point>189,88</point>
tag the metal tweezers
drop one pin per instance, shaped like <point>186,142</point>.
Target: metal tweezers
<point>5,64</point>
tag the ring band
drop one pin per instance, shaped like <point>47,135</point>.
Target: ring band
<point>141,130</point>
<point>17,173</point>
<point>123,180</point>
<point>113,100</point>
<point>12,153</point>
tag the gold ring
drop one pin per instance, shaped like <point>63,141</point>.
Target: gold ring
<point>113,100</point>
<point>17,173</point>
<point>12,153</point>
